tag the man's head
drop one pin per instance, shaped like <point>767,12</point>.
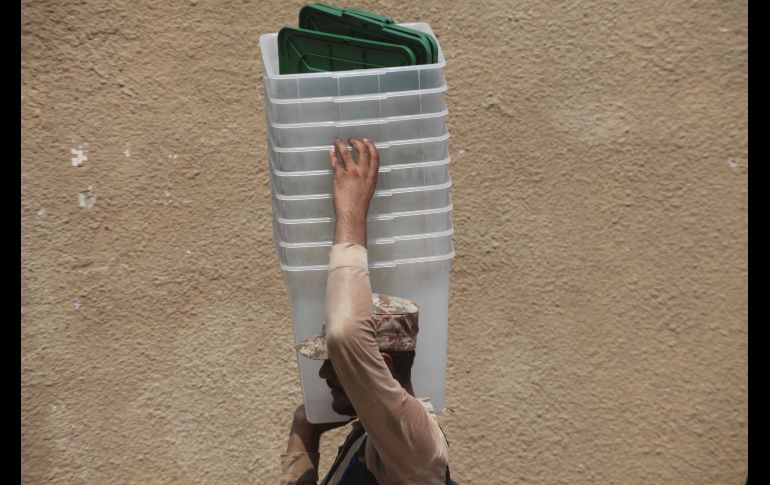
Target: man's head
<point>395,322</point>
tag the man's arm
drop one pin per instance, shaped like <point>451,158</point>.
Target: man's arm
<point>299,465</point>
<point>397,424</point>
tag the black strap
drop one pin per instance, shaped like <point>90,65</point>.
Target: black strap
<point>357,473</point>
<point>343,450</point>
<point>449,480</point>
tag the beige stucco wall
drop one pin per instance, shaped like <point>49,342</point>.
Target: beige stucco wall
<point>598,315</point>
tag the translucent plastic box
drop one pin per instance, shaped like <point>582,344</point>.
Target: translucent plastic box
<point>422,280</point>
<point>402,247</point>
<point>383,202</point>
<point>348,108</point>
<point>379,130</point>
<point>391,153</point>
<point>378,226</point>
<point>345,83</point>
<point>390,177</point>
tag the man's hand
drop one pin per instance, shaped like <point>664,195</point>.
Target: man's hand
<point>305,436</point>
<point>354,184</point>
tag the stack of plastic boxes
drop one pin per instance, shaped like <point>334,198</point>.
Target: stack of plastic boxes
<point>401,109</point>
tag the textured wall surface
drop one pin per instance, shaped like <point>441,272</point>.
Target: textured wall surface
<point>598,315</point>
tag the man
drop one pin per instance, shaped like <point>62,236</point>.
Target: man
<point>367,345</point>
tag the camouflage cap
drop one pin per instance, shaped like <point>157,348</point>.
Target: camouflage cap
<point>395,327</point>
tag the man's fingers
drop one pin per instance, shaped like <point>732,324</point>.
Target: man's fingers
<point>363,152</point>
<point>333,159</point>
<point>367,161</point>
<point>343,155</point>
<point>374,157</point>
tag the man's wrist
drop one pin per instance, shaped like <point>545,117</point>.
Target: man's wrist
<point>303,438</point>
<point>350,227</point>
<point>353,215</point>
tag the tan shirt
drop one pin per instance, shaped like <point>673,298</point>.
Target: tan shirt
<point>405,444</point>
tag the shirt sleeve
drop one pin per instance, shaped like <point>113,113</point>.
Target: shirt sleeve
<point>402,432</point>
<point>299,468</point>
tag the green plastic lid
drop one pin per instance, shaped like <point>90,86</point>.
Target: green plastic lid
<point>367,25</point>
<point>336,10</point>
<point>422,36</point>
<point>304,51</point>
<point>372,15</point>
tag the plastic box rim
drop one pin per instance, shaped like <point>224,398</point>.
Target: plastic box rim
<point>382,264</point>
<point>383,168</point>
<point>350,98</point>
<point>372,217</point>
<point>385,144</point>
<point>377,241</point>
<point>364,121</point>
<point>378,193</point>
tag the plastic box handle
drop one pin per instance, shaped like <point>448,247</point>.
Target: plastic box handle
<point>351,99</point>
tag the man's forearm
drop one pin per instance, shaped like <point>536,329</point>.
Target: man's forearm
<point>299,465</point>
<point>350,227</point>
<point>302,439</point>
